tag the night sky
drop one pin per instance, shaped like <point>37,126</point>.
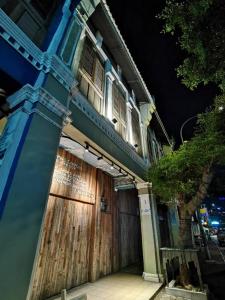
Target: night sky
<point>157,55</point>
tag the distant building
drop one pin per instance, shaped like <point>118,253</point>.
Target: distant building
<point>77,140</point>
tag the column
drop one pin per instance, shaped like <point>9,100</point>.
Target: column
<point>143,131</point>
<point>150,233</point>
<point>108,105</point>
<point>129,124</point>
<point>143,139</point>
<point>31,141</point>
<point>61,28</point>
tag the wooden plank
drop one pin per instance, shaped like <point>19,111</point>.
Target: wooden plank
<point>101,262</point>
<point>63,257</point>
<point>79,242</point>
<point>130,232</point>
<point>73,178</point>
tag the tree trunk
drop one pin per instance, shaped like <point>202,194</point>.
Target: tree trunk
<point>195,202</point>
<point>185,234</point>
<point>187,210</point>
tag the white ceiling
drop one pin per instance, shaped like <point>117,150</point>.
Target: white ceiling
<point>91,157</point>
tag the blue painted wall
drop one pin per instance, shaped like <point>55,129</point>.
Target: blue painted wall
<point>17,67</point>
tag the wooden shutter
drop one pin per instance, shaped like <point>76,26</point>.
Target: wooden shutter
<point>99,75</point>
<point>119,110</point>
<point>88,58</point>
<point>44,7</point>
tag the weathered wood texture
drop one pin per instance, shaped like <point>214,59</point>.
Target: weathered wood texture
<point>79,242</point>
<point>73,178</point>
<point>101,262</point>
<point>130,231</point>
<point>63,256</point>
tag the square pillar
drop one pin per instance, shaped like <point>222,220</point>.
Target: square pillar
<point>108,103</point>
<point>149,233</point>
<point>31,142</point>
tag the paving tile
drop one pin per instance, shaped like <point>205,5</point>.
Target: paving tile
<point>119,286</point>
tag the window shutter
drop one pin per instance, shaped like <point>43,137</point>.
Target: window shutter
<point>119,110</point>
<point>99,75</point>
<point>116,103</point>
<point>88,58</point>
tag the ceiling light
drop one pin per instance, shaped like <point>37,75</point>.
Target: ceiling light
<point>86,148</point>
<point>112,167</point>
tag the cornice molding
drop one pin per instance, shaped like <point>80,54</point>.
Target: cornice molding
<point>42,61</point>
<point>103,124</point>
<point>34,95</point>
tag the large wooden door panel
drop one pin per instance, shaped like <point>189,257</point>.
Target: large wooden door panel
<point>63,258</point>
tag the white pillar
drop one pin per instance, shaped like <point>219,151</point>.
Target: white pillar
<point>129,124</point>
<point>108,97</point>
<point>149,233</point>
<point>143,131</point>
<point>61,28</point>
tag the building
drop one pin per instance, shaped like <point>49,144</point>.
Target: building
<point>76,143</point>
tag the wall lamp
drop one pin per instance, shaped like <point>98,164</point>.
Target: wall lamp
<point>86,147</point>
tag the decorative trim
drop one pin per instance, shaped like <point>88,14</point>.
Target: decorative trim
<point>58,69</point>
<point>75,21</point>
<point>107,128</point>
<point>39,95</point>
<point>42,61</point>
<point>153,277</point>
<point>46,118</point>
<point>144,185</point>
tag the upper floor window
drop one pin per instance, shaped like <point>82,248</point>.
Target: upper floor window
<point>119,110</point>
<point>32,16</point>
<point>43,7</point>
<point>136,131</point>
<point>91,75</point>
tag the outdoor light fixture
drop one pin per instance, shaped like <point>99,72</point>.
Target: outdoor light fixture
<point>86,148</point>
<point>112,166</point>
<point>215,223</point>
<point>104,204</point>
<point>114,120</point>
<point>220,108</point>
<point>134,181</point>
<point>135,145</point>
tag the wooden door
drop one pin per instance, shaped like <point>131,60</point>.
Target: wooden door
<point>77,241</point>
<point>130,233</point>
<point>63,259</point>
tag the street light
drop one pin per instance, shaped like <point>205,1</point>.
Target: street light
<point>182,126</point>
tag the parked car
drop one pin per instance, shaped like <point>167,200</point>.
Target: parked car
<point>221,237</point>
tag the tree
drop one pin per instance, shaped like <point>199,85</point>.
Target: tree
<point>200,26</point>
<point>186,173</point>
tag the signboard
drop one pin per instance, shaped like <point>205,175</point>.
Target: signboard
<point>145,206</point>
<point>73,178</point>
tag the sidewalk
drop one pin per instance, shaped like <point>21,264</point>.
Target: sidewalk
<point>119,286</point>
<point>213,274</point>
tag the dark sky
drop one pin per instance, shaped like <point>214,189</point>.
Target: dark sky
<point>157,55</point>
